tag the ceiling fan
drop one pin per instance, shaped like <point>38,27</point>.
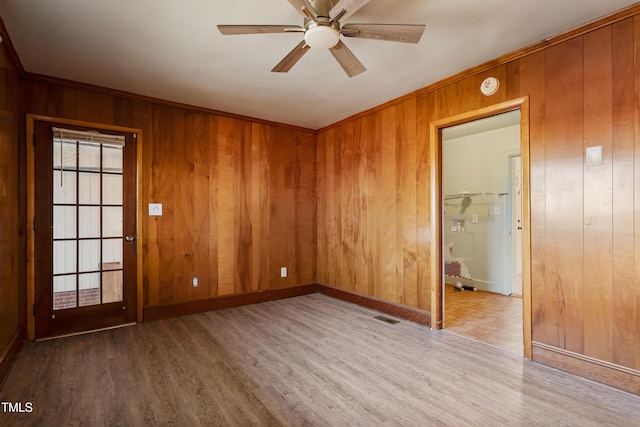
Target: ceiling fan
<point>322,30</point>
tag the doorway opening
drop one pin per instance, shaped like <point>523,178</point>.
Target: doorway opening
<point>468,219</point>
<point>482,276</point>
<point>82,264</point>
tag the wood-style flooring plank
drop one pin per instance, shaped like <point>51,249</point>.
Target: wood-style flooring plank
<point>309,360</point>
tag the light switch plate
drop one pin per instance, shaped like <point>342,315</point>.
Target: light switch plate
<point>155,209</point>
<point>594,155</point>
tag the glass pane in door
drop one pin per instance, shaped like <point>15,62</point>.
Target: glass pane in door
<point>87,231</point>
<point>64,292</point>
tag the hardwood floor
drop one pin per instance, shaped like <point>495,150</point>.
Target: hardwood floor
<point>485,316</point>
<point>309,360</point>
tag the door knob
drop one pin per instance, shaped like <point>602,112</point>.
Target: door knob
<point>130,238</point>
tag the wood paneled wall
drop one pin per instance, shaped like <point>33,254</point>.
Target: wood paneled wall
<point>374,207</point>
<point>239,203</point>
<point>238,195</point>
<point>374,210</point>
<point>350,206</point>
<point>12,264</point>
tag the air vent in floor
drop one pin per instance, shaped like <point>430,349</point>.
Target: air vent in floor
<point>387,319</point>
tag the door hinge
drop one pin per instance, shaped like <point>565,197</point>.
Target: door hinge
<point>135,135</point>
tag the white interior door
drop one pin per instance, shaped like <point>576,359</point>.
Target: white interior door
<point>516,226</point>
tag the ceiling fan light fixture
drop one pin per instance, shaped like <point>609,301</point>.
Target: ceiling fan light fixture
<point>321,37</point>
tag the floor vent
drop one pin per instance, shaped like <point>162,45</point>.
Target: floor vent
<point>387,319</point>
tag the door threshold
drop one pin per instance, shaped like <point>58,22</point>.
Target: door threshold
<point>499,347</point>
<point>85,332</point>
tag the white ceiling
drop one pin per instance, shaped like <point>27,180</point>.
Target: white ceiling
<point>487,124</point>
<point>171,49</point>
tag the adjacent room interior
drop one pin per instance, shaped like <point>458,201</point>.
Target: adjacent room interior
<point>303,242</point>
<point>482,228</point>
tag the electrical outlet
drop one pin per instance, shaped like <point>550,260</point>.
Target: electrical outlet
<point>496,210</point>
<point>474,218</point>
<point>283,272</point>
<point>195,282</point>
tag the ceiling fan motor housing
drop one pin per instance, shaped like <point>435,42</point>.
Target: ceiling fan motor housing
<point>322,7</point>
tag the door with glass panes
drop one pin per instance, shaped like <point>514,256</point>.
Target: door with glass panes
<point>85,219</point>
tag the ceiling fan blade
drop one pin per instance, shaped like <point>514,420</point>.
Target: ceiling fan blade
<point>257,29</point>
<point>390,32</point>
<point>347,59</point>
<point>349,7</point>
<point>291,58</point>
<point>305,8</point>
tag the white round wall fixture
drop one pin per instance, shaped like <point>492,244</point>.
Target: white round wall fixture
<point>489,86</point>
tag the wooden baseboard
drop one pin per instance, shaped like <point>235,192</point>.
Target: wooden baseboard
<point>597,370</point>
<point>10,353</point>
<point>403,312</point>
<point>173,310</point>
